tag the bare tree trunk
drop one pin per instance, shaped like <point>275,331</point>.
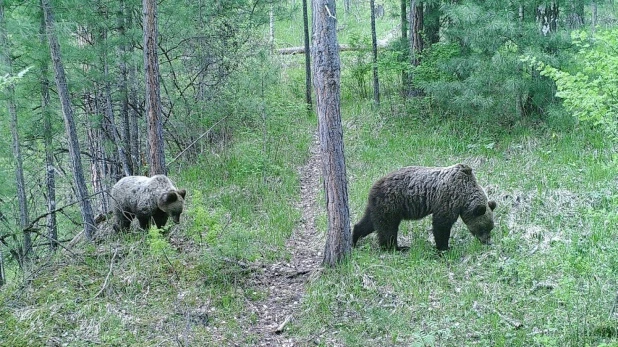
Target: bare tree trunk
<point>69,122</point>
<point>404,38</point>
<point>374,51</point>
<point>327,71</point>
<point>50,176</point>
<point>134,134</point>
<point>416,28</point>
<point>416,42</point>
<point>125,134</point>
<point>575,16</point>
<point>547,17</point>
<point>109,110</point>
<point>307,58</point>
<point>153,96</point>
<point>5,58</point>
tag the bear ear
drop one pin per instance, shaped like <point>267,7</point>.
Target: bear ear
<point>182,193</point>
<point>492,204</point>
<point>169,197</point>
<point>465,169</point>
<point>479,210</point>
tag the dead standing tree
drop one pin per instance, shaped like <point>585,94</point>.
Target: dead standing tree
<point>153,95</point>
<point>327,71</point>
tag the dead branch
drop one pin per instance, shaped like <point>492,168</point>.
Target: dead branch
<point>281,326</point>
<point>111,265</point>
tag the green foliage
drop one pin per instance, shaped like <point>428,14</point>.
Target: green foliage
<point>589,85</point>
<point>157,243</point>
<point>475,71</point>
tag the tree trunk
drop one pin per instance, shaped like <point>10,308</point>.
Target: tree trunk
<point>307,58</point>
<point>374,50</point>
<point>575,17</point>
<point>153,97</point>
<point>134,134</point>
<point>404,40</point>
<point>69,123</point>
<point>416,28</point>
<point>416,42</point>
<point>123,76</point>
<point>327,70</point>
<point>109,111</point>
<point>547,17</point>
<point>50,176</point>
<point>5,59</point>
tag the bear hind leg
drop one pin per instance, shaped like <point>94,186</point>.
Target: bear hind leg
<point>362,229</point>
<point>123,220</point>
<point>387,235</point>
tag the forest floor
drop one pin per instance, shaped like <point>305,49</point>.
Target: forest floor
<point>285,282</point>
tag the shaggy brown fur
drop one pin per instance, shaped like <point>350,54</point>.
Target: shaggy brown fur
<point>146,198</point>
<point>414,192</point>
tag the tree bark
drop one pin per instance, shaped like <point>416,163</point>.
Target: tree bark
<point>374,50</point>
<point>50,176</point>
<point>5,59</point>
<point>327,70</point>
<point>153,94</point>
<point>123,77</point>
<point>416,28</point>
<point>404,40</point>
<point>69,122</point>
<point>547,17</point>
<point>307,58</point>
<point>109,110</point>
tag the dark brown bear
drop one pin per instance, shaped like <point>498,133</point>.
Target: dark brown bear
<point>146,198</point>
<point>414,192</point>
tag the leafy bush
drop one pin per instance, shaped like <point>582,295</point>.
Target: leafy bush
<point>589,87</point>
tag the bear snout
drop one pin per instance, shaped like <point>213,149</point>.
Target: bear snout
<point>484,239</point>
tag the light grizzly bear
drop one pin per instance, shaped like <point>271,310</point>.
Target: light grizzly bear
<point>146,198</point>
<point>414,192</point>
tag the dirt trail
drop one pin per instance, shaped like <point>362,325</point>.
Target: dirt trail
<point>285,282</point>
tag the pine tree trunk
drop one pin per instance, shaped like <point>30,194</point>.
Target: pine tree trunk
<point>307,58</point>
<point>123,76</point>
<point>134,134</point>
<point>5,59</point>
<point>109,112</point>
<point>374,50</point>
<point>153,98</point>
<point>50,176</point>
<point>327,70</point>
<point>69,122</point>
<point>416,42</point>
<point>403,13</point>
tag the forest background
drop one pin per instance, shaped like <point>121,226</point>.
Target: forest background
<point>525,92</point>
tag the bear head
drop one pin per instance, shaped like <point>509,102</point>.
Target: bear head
<point>479,219</point>
<point>172,203</point>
